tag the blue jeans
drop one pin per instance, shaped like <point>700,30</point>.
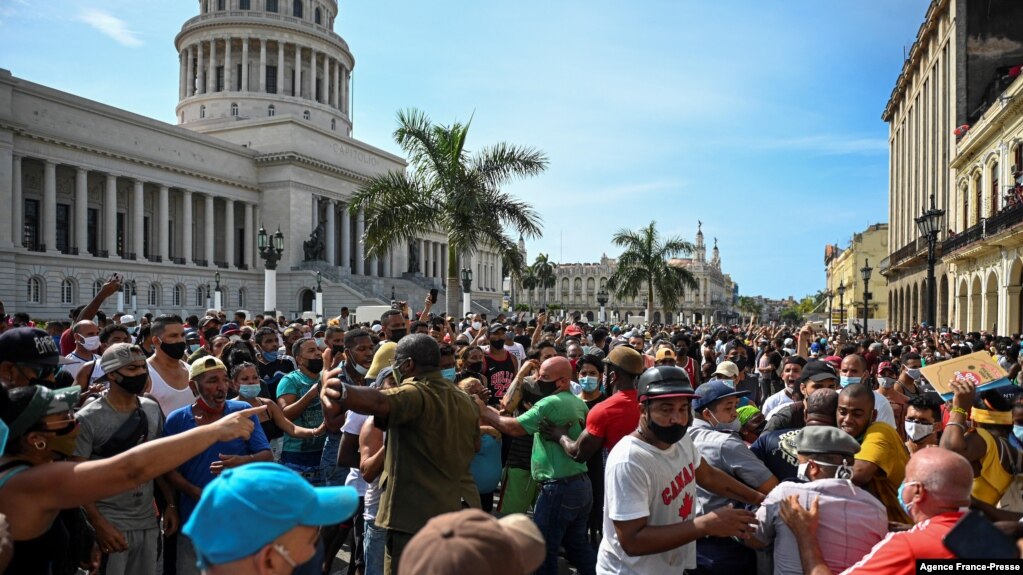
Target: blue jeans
<point>562,512</point>
<point>333,474</point>
<point>374,549</point>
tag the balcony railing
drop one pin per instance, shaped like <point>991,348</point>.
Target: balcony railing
<point>221,265</point>
<point>905,252</point>
<point>179,261</point>
<point>1008,218</point>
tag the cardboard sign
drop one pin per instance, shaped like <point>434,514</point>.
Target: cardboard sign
<point>980,368</point>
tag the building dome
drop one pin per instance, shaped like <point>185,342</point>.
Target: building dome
<point>254,59</point>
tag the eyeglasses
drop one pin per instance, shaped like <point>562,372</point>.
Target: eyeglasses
<point>42,371</point>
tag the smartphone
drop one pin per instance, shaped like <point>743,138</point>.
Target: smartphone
<point>433,295</point>
<point>974,537</point>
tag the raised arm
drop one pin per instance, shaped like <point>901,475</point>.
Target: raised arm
<point>112,286</point>
<point>364,400</point>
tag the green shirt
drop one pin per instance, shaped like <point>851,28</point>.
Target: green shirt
<point>298,384</point>
<point>432,430</point>
<point>549,459</point>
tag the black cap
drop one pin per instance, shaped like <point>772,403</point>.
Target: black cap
<point>818,371</point>
<point>497,326</point>
<point>664,381</point>
<point>30,345</point>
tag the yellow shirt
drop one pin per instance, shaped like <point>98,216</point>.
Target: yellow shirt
<point>882,446</point>
<point>993,480</point>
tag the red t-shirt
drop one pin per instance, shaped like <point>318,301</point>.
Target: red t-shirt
<point>614,418</point>
<point>897,553</point>
<point>67,342</point>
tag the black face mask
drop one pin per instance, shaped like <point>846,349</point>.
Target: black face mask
<point>210,334</point>
<point>397,334</point>
<point>476,366</point>
<point>133,384</point>
<point>740,362</point>
<point>314,365</point>
<point>667,433</point>
<point>547,387</point>
<point>174,350</point>
<point>337,350</point>
<point>497,343</point>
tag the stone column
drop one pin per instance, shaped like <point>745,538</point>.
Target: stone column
<point>345,79</point>
<point>229,233</point>
<point>374,265</point>
<point>435,264</point>
<point>280,68</point>
<point>387,263</point>
<point>186,228</point>
<point>137,219</point>
<point>200,83</point>
<point>82,211</point>
<point>443,261</point>
<point>211,77</point>
<point>346,239</point>
<point>298,71</point>
<point>207,214</point>
<point>421,244</point>
<point>182,70</point>
<point>110,216</point>
<point>360,244</point>
<point>49,223</point>
<point>228,71</point>
<point>325,83</point>
<point>331,234</point>
<point>17,203</point>
<point>312,75</point>
<point>247,250</point>
<point>332,91</point>
<point>190,73</point>
<point>163,224</point>
<point>245,62</point>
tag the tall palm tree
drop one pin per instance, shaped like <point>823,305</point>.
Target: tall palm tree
<point>546,274</point>
<point>448,189</point>
<point>644,265</point>
<point>748,305</point>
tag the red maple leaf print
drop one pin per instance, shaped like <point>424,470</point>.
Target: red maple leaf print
<point>686,508</point>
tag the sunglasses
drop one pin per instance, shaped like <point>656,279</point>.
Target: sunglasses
<point>62,427</point>
<point>42,371</point>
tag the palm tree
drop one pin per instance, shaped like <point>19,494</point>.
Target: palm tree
<point>644,265</point>
<point>546,274</point>
<point>529,283</point>
<point>748,305</point>
<point>448,189</point>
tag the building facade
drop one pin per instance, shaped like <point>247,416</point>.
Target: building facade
<point>843,267</point>
<point>263,139</point>
<point>577,285</point>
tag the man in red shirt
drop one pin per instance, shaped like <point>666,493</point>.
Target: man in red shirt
<point>611,419</point>
<point>936,490</point>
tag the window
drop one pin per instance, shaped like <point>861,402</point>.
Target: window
<point>35,290</point>
<point>200,297</point>
<point>271,111</point>
<point>145,236</point>
<point>179,295</point>
<point>317,16</point>
<point>67,291</point>
<point>271,79</point>
<point>64,228</point>
<point>97,286</point>
<point>92,230</point>
<point>219,84</point>
<point>238,80</point>
<point>30,223</point>
<point>234,110</point>
<point>296,8</point>
<point>244,5</point>
<point>154,294</point>
<point>271,5</point>
<point>221,4</point>
<point>305,115</point>
<point>241,298</point>
<point>333,124</point>
<point>994,189</point>
<point>120,234</point>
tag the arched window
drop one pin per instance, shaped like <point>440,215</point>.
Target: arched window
<point>317,17</point>
<point>179,295</point>
<point>221,4</point>
<point>333,124</point>
<point>296,8</point>
<point>305,115</point>
<point>578,284</point>
<point>271,5</point>
<point>67,291</point>
<point>154,294</point>
<point>234,109</point>
<point>241,298</point>
<point>244,5</point>
<point>200,297</point>
<point>995,193</point>
<point>97,286</point>
<point>35,290</point>
<point>202,112</point>
<point>271,111</point>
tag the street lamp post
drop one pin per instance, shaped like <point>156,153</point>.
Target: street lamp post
<point>841,303</point>
<point>120,296</point>
<point>218,296</point>
<point>831,313</point>
<point>865,272</point>
<point>646,312</point>
<point>209,296</point>
<point>602,300</point>
<point>929,224</point>
<point>134,298</point>
<point>318,302</point>
<point>466,289</point>
<point>271,248</point>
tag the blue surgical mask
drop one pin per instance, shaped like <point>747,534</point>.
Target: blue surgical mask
<point>913,373</point>
<point>249,391</point>
<point>448,374</point>
<point>320,343</point>
<point>192,348</point>
<point>734,426</point>
<point>1017,430</point>
<point>845,380</point>
<point>905,506</point>
<point>270,356</point>
<point>589,383</point>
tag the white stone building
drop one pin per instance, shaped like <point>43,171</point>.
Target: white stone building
<point>263,138</point>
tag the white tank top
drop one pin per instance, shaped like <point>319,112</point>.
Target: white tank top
<point>168,397</point>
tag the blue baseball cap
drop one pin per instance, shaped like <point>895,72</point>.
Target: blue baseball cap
<point>248,507</point>
<point>714,390</point>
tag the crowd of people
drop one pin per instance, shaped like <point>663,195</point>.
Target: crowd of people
<point>426,443</point>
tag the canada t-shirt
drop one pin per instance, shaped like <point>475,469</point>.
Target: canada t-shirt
<point>644,481</point>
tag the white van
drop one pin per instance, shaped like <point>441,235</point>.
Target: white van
<point>369,313</point>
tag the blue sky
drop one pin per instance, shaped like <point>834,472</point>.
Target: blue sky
<point>762,119</point>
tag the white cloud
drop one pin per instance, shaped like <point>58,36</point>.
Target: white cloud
<point>111,26</point>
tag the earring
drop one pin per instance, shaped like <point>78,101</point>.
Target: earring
<point>39,444</point>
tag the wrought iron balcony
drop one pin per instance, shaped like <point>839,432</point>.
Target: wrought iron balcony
<point>1008,218</point>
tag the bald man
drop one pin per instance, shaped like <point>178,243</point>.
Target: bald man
<point>937,489</point>
<point>86,334</point>
<point>854,370</point>
<point>566,496</point>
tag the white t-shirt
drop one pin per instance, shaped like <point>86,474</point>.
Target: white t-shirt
<point>774,402</point>
<point>79,361</point>
<point>884,409</point>
<point>353,425</point>
<point>644,481</point>
<point>517,350</point>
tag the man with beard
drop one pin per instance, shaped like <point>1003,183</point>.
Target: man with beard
<point>127,530</point>
<point>394,325</point>
<point>499,366</point>
<point>791,375</point>
<point>167,373</point>
<point>815,375</point>
<point>651,523</point>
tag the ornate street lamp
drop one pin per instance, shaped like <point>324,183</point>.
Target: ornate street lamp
<point>218,297</point>
<point>865,273</point>
<point>466,290</point>
<point>318,302</point>
<point>602,300</point>
<point>841,303</point>
<point>830,295</point>
<point>271,248</point>
<point>929,224</point>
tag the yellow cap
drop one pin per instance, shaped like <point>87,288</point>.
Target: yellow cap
<point>384,357</point>
<point>204,364</point>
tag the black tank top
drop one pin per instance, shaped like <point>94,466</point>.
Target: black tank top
<point>500,374</point>
<point>271,430</point>
<point>36,556</point>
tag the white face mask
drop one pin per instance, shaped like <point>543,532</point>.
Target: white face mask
<point>918,431</point>
<point>360,370</point>
<point>476,325</point>
<point>886,382</point>
<point>91,343</point>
